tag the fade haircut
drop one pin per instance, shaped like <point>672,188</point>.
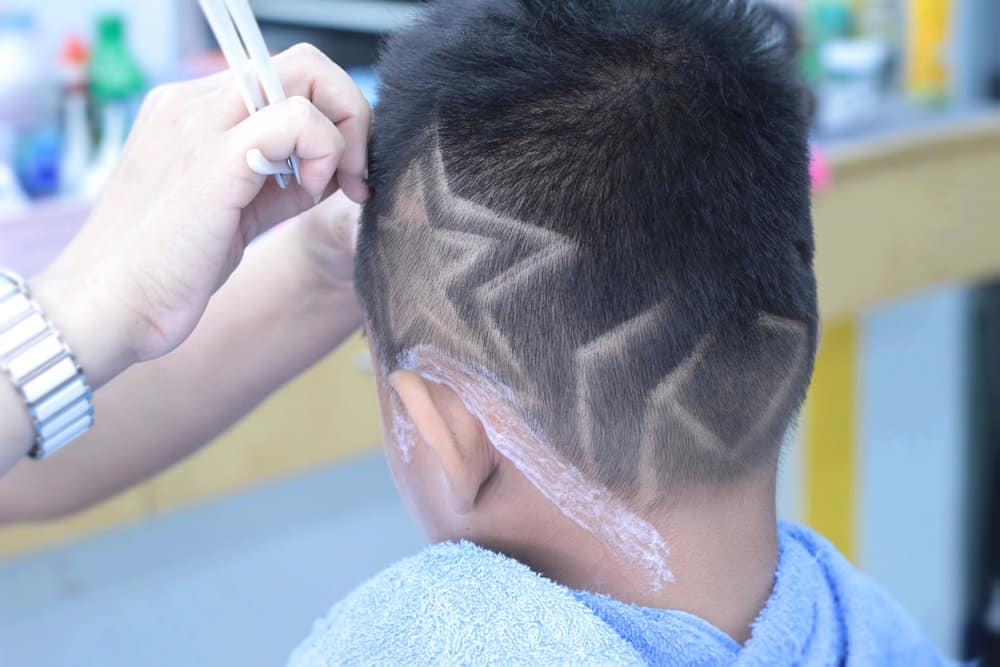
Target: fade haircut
<point>605,203</point>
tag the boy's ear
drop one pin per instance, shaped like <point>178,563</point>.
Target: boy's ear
<point>452,433</point>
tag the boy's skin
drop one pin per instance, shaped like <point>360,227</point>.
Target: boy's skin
<point>723,540</point>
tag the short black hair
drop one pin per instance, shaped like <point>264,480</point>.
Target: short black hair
<point>606,203</point>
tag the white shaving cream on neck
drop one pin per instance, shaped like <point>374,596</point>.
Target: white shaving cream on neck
<point>519,438</point>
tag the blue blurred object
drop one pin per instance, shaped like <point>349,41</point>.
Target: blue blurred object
<point>37,162</point>
<point>16,21</point>
<point>21,71</point>
<point>367,81</point>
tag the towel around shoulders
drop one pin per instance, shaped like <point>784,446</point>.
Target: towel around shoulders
<point>459,604</point>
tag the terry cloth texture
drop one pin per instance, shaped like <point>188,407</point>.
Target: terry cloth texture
<point>822,611</point>
<point>459,604</point>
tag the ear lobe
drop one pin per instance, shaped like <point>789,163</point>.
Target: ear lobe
<point>451,432</point>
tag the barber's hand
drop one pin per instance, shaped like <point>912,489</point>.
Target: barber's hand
<point>327,235</point>
<point>183,204</point>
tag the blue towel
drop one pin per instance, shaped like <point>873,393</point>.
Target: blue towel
<point>822,611</point>
<point>459,604</point>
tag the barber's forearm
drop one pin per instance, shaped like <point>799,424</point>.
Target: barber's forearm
<point>264,327</point>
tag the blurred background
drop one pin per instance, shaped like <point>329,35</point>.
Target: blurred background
<point>227,558</point>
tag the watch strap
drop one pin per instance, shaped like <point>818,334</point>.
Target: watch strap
<point>43,370</point>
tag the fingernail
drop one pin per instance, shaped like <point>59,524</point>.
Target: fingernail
<point>316,200</point>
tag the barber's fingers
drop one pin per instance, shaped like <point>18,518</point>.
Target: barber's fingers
<point>304,70</point>
<point>292,126</point>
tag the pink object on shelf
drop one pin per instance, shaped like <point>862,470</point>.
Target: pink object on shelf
<point>819,169</point>
<point>29,241</point>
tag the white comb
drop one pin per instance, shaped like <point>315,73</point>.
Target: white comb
<point>234,26</point>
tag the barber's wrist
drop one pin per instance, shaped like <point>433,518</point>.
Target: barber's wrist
<point>325,239</point>
<point>316,280</point>
<point>328,298</point>
<point>324,278</point>
<point>331,309</point>
<point>82,313</point>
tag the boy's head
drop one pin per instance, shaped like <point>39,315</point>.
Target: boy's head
<point>592,217</point>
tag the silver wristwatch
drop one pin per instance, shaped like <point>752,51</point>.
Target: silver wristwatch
<point>44,371</point>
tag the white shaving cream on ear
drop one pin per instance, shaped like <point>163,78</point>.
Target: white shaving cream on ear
<point>403,430</point>
<point>518,438</point>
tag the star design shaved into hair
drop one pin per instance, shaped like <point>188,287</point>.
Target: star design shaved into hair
<point>488,256</point>
<point>795,342</point>
<point>596,359</point>
<point>635,401</point>
<point>411,227</point>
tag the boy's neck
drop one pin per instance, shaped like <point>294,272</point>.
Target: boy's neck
<point>724,552</point>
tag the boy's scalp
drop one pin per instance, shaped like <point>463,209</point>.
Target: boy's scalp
<point>606,203</point>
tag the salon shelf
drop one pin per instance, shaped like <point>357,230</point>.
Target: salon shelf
<point>904,127</point>
<point>30,240</point>
<point>365,16</point>
<point>910,209</point>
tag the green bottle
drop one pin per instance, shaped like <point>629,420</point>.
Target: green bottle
<point>116,87</point>
<point>825,20</point>
<point>114,74</point>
